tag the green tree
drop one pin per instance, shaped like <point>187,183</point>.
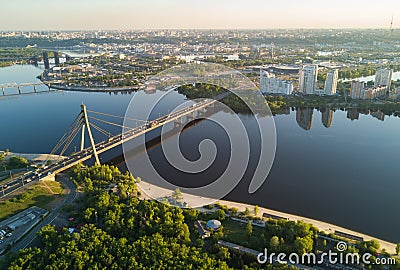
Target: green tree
<point>247,211</point>
<point>249,229</point>
<point>274,242</point>
<point>219,214</point>
<point>177,194</point>
<point>256,210</point>
<point>16,162</point>
<point>398,249</point>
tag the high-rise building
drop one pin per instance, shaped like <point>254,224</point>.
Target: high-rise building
<point>308,79</point>
<point>331,82</point>
<point>356,88</point>
<point>269,84</point>
<point>383,77</point>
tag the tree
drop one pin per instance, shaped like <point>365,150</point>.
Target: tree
<point>303,245</point>
<point>398,249</point>
<point>234,210</point>
<point>274,242</point>
<point>219,214</point>
<point>256,210</point>
<point>247,211</point>
<point>177,194</point>
<point>17,162</point>
<point>249,229</point>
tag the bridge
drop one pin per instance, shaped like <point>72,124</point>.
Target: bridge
<point>81,124</point>
<point>19,87</point>
<point>36,58</point>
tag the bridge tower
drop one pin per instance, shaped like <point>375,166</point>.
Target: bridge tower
<point>46,60</point>
<point>56,59</point>
<point>85,124</point>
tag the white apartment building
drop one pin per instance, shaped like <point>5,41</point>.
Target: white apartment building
<point>308,79</point>
<point>331,82</point>
<point>269,84</point>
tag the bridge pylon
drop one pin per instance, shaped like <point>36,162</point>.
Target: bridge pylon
<point>85,123</point>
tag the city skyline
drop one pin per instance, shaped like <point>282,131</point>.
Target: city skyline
<point>179,14</point>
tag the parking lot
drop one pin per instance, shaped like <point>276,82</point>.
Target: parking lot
<point>13,228</point>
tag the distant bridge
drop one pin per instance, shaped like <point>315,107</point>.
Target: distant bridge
<point>19,87</point>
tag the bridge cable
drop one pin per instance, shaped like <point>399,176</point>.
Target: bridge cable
<point>121,117</point>
<point>63,139</point>
<point>110,123</point>
<point>104,132</point>
<point>70,139</point>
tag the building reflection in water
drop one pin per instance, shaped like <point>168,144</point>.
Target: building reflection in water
<point>379,115</point>
<point>327,115</point>
<point>353,114</point>
<point>304,117</point>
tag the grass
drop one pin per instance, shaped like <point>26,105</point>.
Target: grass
<point>40,194</point>
<point>235,232</point>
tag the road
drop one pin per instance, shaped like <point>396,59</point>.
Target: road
<point>28,239</point>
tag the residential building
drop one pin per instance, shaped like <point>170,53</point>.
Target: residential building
<point>373,92</point>
<point>308,79</point>
<point>331,82</point>
<point>356,88</point>
<point>383,77</point>
<point>269,84</point>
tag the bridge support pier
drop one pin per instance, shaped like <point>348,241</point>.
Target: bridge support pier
<point>2,89</point>
<point>34,88</point>
<point>178,122</point>
<point>19,89</point>
<point>190,116</point>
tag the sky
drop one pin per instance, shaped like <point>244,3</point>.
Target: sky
<point>195,14</point>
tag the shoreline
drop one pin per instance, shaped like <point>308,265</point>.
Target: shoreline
<point>320,225</point>
<point>35,157</point>
<point>158,193</point>
<point>91,89</point>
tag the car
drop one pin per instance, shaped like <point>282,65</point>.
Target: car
<point>9,234</point>
<point>28,180</point>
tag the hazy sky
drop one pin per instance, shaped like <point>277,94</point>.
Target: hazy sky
<point>203,14</point>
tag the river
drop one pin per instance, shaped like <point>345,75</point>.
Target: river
<point>339,167</point>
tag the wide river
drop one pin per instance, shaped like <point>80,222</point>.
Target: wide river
<point>340,167</point>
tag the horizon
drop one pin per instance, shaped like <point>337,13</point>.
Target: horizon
<point>188,14</point>
<point>193,29</point>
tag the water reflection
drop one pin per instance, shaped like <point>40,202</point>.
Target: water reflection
<point>327,115</point>
<point>304,115</point>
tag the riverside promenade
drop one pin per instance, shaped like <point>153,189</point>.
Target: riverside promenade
<point>154,192</point>
<point>322,226</point>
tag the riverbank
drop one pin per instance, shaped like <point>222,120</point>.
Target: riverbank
<point>91,89</point>
<point>322,226</point>
<point>35,157</point>
<point>154,192</point>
